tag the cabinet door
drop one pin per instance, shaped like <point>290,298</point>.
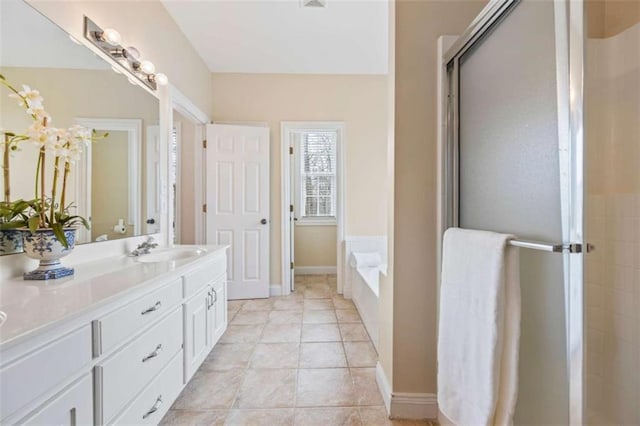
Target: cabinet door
<point>219,314</point>
<point>197,331</point>
<point>72,406</point>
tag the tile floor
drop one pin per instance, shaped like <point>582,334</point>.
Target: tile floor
<point>304,359</point>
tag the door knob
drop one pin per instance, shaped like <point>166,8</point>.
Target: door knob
<point>151,221</point>
<point>263,221</point>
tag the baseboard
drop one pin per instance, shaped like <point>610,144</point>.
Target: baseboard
<point>414,406</point>
<point>402,405</point>
<point>383,385</point>
<point>315,270</point>
<point>275,290</point>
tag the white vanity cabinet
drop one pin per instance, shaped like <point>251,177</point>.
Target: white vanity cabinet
<point>205,313</point>
<point>70,407</point>
<point>120,362</point>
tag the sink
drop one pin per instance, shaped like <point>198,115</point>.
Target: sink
<point>171,254</point>
<point>3,318</point>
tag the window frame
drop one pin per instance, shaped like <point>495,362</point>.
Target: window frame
<point>301,219</point>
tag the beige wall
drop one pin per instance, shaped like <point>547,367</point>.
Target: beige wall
<point>147,26</point>
<point>360,101</point>
<point>186,179</point>
<point>418,26</point>
<point>315,246</point>
<point>606,18</point>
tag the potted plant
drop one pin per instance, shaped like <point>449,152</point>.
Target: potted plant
<point>48,228</point>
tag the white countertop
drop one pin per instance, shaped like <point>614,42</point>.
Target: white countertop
<point>33,305</point>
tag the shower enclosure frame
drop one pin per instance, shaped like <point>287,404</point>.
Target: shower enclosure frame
<point>570,34</point>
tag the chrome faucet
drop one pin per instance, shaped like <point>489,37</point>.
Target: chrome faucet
<point>144,247</point>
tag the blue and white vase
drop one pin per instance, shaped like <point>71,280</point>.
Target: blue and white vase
<point>10,241</point>
<point>44,246</point>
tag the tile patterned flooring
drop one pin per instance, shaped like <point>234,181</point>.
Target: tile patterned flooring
<point>304,359</point>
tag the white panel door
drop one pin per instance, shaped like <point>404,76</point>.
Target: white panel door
<point>152,220</point>
<point>238,205</point>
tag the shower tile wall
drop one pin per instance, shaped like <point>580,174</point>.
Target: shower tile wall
<point>613,317</point>
<point>613,226</point>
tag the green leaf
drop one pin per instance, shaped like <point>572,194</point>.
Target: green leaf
<point>15,224</point>
<point>58,231</point>
<point>33,223</point>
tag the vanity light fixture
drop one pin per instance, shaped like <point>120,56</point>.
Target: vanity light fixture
<point>147,67</point>
<point>109,35</point>
<point>108,40</point>
<point>161,79</point>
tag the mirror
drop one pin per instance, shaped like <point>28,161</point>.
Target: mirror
<point>114,182</point>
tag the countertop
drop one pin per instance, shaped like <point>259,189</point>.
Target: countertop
<point>31,306</point>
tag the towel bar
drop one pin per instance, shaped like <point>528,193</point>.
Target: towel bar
<point>552,248</point>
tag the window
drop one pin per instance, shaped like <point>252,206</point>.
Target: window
<point>316,184</point>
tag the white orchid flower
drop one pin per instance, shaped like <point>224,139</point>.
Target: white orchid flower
<point>31,96</point>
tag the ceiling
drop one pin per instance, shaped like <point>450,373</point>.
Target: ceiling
<point>281,36</point>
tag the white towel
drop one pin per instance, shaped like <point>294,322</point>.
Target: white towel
<point>365,260</point>
<point>479,328</point>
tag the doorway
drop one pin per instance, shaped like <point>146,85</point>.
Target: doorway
<point>186,165</point>
<point>313,200</point>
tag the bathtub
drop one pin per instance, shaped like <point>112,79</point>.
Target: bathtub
<point>364,293</point>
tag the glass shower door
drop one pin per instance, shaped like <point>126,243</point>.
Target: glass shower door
<point>512,171</point>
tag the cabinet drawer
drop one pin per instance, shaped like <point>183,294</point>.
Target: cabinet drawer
<point>154,401</point>
<point>72,406</point>
<point>195,280</point>
<point>116,327</point>
<point>29,377</point>
<point>124,374</point>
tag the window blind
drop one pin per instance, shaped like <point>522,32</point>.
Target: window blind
<point>318,174</point>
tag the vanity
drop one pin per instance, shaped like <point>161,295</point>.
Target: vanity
<point>114,344</point>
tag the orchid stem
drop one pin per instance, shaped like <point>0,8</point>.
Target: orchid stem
<point>5,171</point>
<point>56,172</point>
<point>67,169</point>
<point>41,160</point>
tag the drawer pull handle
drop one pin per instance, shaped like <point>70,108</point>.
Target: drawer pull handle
<point>215,293</point>
<point>151,309</point>
<point>209,300</point>
<point>153,409</point>
<point>153,354</point>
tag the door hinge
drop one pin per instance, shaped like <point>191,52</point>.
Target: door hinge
<point>292,265</point>
<point>291,208</point>
<point>290,150</point>
<point>204,144</point>
<point>204,208</point>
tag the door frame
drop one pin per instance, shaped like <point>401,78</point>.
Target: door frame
<point>569,16</point>
<point>286,129</point>
<point>180,103</point>
<point>133,127</point>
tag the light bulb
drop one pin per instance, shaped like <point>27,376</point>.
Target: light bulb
<point>147,67</point>
<point>161,79</point>
<point>111,36</point>
<point>131,52</point>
